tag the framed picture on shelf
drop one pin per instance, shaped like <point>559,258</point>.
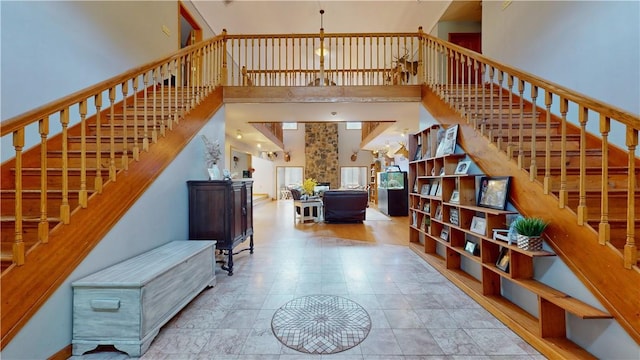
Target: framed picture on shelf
<point>455,197</point>
<point>444,234</point>
<point>463,167</point>
<point>418,155</point>
<point>427,207</point>
<point>441,171</point>
<point>434,188</point>
<point>471,247</point>
<point>503,260</point>
<point>448,144</point>
<point>425,189</point>
<point>439,190</point>
<point>478,225</point>
<point>425,223</point>
<point>414,218</point>
<point>454,217</point>
<point>494,192</point>
<point>438,214</point>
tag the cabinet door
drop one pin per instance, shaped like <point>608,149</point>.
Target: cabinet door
<point>206,217</point>
<point>249,209</point>
<point>237,206</point>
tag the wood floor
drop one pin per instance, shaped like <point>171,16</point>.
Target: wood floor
<point>275,219</point>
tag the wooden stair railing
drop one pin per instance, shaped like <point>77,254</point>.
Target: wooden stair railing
<point>504,102</point>
<point>112,126</point>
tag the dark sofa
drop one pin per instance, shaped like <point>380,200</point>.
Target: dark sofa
<point>345,205</point>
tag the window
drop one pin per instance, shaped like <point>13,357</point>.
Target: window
<point>354,125</point>
<point>289,126</point>
<point>353,177</point>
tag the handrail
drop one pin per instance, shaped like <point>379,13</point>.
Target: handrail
<point>603,108</point>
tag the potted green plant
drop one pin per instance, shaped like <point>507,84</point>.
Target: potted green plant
<point>530,231</point>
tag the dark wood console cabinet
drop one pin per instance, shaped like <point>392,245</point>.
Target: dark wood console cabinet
<point>222,210</point>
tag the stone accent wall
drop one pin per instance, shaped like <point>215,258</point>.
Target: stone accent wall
<point>321,153</point>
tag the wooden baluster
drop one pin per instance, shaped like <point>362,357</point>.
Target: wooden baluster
<point>422,57</point>
<point>125,144</point>
<point>98,179</point>
<point>630,247</point>
<point>177,86</point>
<point>476,110</point>
<point>279,79</point>
<point>488,120</point>
<point>164,124</point>
<point>166,119</point>
<point>112,155</point>
<point>510,125</point>
<point>460,86</point>
<point>18,243</point>
<point>483,111</point>
<point>65,210</point>
<point>377,81</point>
<point>583,117</point>
<point>351,82</point>
<point>191,93</point>
<point>154,109</point>
<point>563,195</point>
<point>43,225</point>
<point>533,167</point>
<point>604,228</point>
<point>451,82</point>
<point>82,195</point>
<point>135,152</point>
<point>456,79</point>
<point>500,119</point>
<point>469,111</point>
<point>548,100</point>
<point>145,138</point>
<point>521,125</point>
<point>198,75</point>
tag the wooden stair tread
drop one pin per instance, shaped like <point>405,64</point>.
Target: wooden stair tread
<point>570,304</point>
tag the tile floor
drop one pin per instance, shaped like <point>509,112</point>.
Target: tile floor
<point>415,312</point>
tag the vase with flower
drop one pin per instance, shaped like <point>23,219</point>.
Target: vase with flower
<point>212,156</point>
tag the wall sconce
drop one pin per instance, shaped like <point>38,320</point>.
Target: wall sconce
<point>287,156</point>
<point>238,134</point>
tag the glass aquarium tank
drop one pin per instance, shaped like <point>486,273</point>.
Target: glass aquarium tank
<point>392,180</point>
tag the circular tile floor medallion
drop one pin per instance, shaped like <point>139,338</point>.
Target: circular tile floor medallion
<point>321,324</point>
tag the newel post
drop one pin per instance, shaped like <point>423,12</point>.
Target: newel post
<point>223,72</point>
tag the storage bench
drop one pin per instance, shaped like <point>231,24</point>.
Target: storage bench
<point>126,304</point>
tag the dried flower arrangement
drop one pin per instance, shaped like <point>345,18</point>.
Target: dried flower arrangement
<point>211,151</point>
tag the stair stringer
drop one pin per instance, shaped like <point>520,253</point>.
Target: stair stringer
<point>26,288</point>
<point>600,268</point>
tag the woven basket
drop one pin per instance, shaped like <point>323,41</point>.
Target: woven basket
<point>529,243</point>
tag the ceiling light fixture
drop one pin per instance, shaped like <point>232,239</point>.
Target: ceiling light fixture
<point>238,134</point>
<point>322,50</point>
